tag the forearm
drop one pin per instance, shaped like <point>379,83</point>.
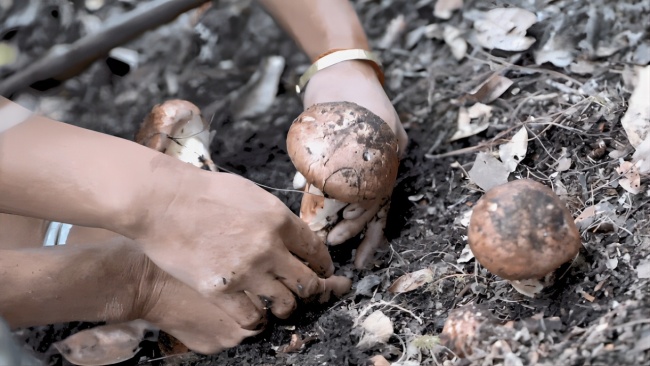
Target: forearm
<point>95,282</point>
<point>318,26</point>
<point>56,171</point>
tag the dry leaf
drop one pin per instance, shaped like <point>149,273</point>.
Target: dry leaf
<point>377,328</point>
<point>559,48</point>
<point>411,281</point>
<point>513,152</point>
<point>643,269</point>
<point>465,127</point>
<point>636,120</point>
<point>490,89</point>
<point>599,217</point>
<point>632,180</point>
<point>9,54</point>
<point>366,285</point>
<point>488,171</point>
<point>505,29</point>
<point>394,31</point>
<point>641,156</point>
<point>479,110</point>
<point>453,38</point>
<point>444,8</point>
<point>466,255</point>
<point>258,95</point>
<point>563,164</point>
<point>582,67</point>
<point>296,344</point>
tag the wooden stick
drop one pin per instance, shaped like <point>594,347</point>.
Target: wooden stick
<point>76,57</point>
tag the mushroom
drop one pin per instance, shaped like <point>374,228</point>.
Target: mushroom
<point>461,332</point>
<point>177,128</point>
<point>346,154</point>
<point>522,231</point>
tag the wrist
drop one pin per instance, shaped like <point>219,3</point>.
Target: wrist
<point>352,70</point>
<point>149,197</point>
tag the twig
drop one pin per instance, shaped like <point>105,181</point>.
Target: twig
<point>77,56</point>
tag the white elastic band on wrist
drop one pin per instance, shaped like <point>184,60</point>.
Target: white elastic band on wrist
<point>56,234</point>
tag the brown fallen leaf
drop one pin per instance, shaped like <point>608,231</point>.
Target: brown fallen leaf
<point>411,281</point>
<point>489,90</point>
<point>296,344</point>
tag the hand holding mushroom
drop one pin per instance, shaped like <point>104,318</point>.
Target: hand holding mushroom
<point>346,145</point>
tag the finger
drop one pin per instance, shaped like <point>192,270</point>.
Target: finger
<point>298,278</point>
<point>352,211</point>
<point>348,229</point>
<point>306,284</point>
<point>275,296</point>
<point>210,334</point>
<point>373,239</point>
<point>305,244</point>
<point>242,310</point>
<point>335,285</point>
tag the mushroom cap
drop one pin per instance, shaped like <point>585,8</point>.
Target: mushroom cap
<point>522,230</point>
<point>166,120</point>
<point>347,152</point>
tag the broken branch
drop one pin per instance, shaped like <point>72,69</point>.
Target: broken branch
<point>76,57</point>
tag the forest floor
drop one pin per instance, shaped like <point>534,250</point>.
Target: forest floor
<point>568,91</point>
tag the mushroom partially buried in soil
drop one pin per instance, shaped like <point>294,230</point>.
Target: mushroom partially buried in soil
<point>346,154</point>
<point>522,231</point>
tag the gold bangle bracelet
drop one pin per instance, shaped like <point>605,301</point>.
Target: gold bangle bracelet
<point>333,58</point>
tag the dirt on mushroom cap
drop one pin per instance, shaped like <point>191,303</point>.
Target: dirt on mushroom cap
<point>346,151</point>
<point>522,230</point>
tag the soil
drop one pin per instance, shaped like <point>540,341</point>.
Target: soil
<point>598,312</point>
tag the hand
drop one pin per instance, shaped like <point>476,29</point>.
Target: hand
<point>354,81</point>
<point>244,244</point>
<point>160,302</point>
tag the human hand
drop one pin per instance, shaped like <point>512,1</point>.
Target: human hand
<point>342,219</point>
<point>160,302</point>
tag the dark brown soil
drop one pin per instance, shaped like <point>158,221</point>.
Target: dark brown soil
<point>597,314</point>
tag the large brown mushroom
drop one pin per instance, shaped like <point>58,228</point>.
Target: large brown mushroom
<point>345,151</point>
<point>521,231</point>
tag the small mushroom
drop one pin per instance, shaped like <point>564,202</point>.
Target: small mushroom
<point>461,332</point>
<point>345,151</point>
<point>522,232</point>
<point>177,128</point>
